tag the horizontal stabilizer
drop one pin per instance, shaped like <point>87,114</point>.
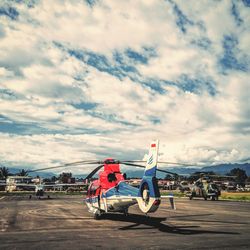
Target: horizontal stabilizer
<point>171,200</point>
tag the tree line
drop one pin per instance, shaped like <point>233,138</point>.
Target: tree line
<point>4,172</point>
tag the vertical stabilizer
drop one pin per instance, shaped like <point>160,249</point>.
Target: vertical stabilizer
<point>152,159</point>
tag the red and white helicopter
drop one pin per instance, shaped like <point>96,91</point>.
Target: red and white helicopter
<point>111,192</point>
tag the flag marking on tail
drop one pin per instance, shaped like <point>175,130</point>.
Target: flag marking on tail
<point>150,160</point>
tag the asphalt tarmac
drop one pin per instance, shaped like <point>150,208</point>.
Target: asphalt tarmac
<point>63,222</point>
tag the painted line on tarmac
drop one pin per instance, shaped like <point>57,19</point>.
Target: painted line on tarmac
<point>1,198</point>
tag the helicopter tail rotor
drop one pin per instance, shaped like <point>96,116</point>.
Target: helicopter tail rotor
<point>149,194</point>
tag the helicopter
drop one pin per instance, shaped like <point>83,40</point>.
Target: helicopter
<point>111,193</point>
<point>205,188</point>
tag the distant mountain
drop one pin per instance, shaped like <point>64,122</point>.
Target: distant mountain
<point>14,171</point>
<point>218,169</point>
<point>43,174</point>
<point>80,176</point>
<point>225,168</point>
<point>183,170</point>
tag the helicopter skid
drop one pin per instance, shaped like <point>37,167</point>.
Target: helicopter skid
<point>92,209</point>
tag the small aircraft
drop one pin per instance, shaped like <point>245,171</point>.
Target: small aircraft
<point>39,191</point>
<point>39,188</point>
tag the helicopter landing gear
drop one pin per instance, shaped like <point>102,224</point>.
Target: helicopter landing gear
<point>97,215</point>
<point>125,212</point>
<point>214,198</point>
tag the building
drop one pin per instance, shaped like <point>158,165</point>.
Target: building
<point>13,182</point>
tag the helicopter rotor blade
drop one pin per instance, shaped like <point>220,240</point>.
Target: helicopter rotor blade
<point>178,163</point>
<point>128,163</point>
<point>164,162</point>
<point>66,165</point>
<point>93,172</point>
<point>141,166</point>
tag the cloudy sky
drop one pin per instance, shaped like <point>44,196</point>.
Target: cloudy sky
<point>89,79</point>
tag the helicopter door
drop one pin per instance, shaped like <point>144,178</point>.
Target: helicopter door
<point>94,195</point>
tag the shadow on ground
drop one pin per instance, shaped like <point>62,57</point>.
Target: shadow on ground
<point>142,222</point>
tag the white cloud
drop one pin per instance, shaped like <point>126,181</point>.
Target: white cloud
<point>43,81</point>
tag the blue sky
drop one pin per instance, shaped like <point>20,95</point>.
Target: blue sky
<point>94,79</point>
